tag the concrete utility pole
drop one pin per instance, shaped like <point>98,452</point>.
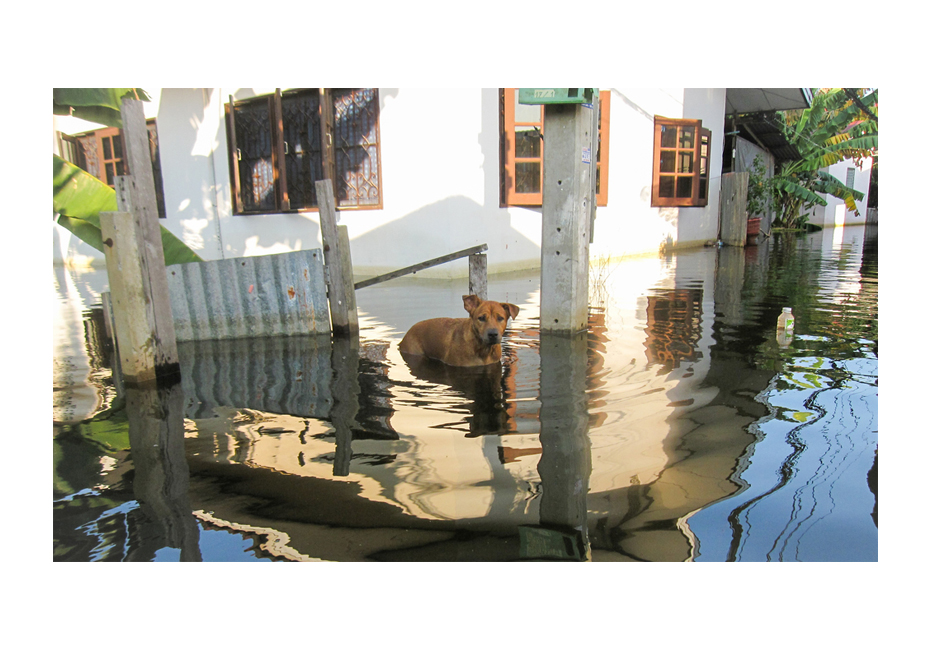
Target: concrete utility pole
<point>568,204</point>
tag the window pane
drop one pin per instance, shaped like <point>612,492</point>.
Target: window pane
<point>666,186</point>
<point>668,161</point>
<point>117,146</point>
<point>528,177</point>
<point>304,161</point>
<point>687,133</point>
<point>527,142</point>
<point>252,127</point>
<point>110,173</point>
<point>356,146</point>
<point>702,188</point>
<point>685,163</point>
<point>526,112</point>
<point>684,187</point>
<point>107,148</point>
<point>119,168</point>
<point>667,136</point>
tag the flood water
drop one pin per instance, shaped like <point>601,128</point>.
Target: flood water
<point>680,427</point>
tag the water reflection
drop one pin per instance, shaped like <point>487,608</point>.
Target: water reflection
<point>677,428</point>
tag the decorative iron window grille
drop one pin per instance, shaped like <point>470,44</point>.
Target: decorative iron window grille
<point>319,133</point>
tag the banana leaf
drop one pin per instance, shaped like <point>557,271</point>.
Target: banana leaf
<point>79,197</point>
<point>794,189</point>
<point>100,105</point>
<point>831,185</point>
<point>860,147</point>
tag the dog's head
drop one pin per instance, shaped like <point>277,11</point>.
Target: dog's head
<point>489,318</point>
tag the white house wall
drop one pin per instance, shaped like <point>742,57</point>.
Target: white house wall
<point>440,165</point>
<point>836,213</point>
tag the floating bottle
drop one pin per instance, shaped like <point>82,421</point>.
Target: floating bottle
<point>786,322</point>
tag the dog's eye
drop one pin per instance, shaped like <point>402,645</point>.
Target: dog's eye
<point>499,318</point>
<point>482,318</point>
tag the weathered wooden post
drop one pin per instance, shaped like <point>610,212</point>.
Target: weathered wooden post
<point>135,262</point>
<point>734,195</point>
<point>570,172</point>
<point>478,275</point>
<point>336,253</point>
<point>160,484</point>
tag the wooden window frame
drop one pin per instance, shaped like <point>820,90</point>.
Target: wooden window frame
<point>87,151</point>
<point>509,196</point>
<point>698,175</point>
<point>329,150</point>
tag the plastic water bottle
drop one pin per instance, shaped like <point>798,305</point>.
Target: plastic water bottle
<point>786,322</point>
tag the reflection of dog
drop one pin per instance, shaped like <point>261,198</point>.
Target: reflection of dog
<point>479,386</point>
<point>472,341</point>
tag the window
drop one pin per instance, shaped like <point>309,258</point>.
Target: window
<point>321,133</point>
<point>849,179</point>
<point>680,163</point>
<point>522,149</point>
<point>101,153</point>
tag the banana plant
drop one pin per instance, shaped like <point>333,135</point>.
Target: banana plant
<point>833,129</point>
<point>79,197</point>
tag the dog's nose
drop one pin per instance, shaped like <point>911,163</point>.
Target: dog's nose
<point>493,336</point>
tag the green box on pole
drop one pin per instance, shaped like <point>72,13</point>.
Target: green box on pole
<point>556,95</point>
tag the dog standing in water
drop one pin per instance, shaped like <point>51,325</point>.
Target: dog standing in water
<point>472,341</point>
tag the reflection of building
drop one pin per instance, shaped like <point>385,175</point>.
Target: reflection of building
<point>673,327</point>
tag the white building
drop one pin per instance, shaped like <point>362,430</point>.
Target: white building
<point>422,172</point>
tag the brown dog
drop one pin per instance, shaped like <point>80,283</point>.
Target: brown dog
<point>472,341</point>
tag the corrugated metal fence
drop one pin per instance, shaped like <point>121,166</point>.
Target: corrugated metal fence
<point>268,295</point>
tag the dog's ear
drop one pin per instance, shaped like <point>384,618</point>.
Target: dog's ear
<point>511,309</point>
<point>471,302</point>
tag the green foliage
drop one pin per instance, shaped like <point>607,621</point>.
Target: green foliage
<point>833,129</point>
<point>761,194</point>
<point>99,105</point>
<point>79,197</point>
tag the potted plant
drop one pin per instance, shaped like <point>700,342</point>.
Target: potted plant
<point>759,199</point>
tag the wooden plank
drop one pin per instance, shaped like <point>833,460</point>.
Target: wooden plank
<point>233,158</point>
<point>732,211</point>
<point>127,290</point>
<point>423,265</point>
<point>135,262</point>
<point>340,290</point>
<point>478,275</point>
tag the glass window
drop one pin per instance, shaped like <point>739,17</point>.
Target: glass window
<point>281,144</point>
<point>522,155</point>
<point>680,163</point>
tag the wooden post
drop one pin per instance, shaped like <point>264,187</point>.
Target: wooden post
<point>732,211</point>
<point>569,171</point>
<point>336,254</point>
<point>478,275</point>
<point>160,483</point>
<point>345,389</point>
<point>135,262</point>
